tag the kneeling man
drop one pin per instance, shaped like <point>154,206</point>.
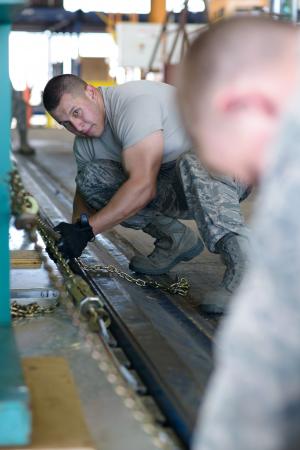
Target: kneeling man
<point>136,168</point>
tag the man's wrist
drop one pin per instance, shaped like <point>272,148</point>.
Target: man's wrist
<point>85,224</point>
<point>93,225</point>
<point>84,220</point>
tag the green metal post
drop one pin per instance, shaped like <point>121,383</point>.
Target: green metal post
<point>15,416</point>
<point>5,114</point>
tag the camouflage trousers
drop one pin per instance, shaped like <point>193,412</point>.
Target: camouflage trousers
<point>185,190</point>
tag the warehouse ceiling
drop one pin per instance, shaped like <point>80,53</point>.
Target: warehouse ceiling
<point>50,15</point>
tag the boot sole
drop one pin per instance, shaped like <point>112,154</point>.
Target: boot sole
<point>213,309</point>
<point>187,256</point>
<point>216,305</point>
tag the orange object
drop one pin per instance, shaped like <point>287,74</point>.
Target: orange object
<point>222,8</point>
<point>158,11</point>
<point>26,97</point>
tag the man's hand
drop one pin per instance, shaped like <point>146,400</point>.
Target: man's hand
<point>74,237</point>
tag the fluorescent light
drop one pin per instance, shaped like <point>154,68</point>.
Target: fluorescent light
<point>129,6</point>
<point>115,6</point>
<point>193,5</point>
<point>100,45</point>
<point>28,67</point>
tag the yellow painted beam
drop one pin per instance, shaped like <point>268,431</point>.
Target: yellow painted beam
<point>158,11</point>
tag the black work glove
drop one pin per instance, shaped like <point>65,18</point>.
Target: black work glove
<point>74,237</point>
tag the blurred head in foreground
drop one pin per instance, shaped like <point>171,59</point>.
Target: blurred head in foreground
<point>235,84</point>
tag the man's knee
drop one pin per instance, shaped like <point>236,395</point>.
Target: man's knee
<point>100,174</point>
<point>192,172</point>
<point>187,160</point>
<point>189,168</point>
<point>99,180</point>
<point>103,171</point>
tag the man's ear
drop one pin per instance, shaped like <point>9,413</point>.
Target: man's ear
<point>90,91</point>
<point>231,101</point>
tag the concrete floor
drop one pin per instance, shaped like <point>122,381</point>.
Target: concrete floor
<point>111,425</point>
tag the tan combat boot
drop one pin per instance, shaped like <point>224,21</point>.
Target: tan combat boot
<point>174,243</point>
<point>233,249</point>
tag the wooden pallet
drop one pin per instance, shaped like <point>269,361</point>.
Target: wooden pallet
<point>58,422</point>
<point>25,259</point>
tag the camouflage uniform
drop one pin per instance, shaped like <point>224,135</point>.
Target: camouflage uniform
<point>253,401</point>
<point>184,190</point>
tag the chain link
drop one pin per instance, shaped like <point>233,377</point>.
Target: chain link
<point>180,286</point>
<point>25,208</point>
<point>30,310</point>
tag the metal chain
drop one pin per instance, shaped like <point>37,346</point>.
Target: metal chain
<point>98,349</point>
<point>21,199</point>
<point>30,310</point>
<point>25,208</point>
<point>180,286</point>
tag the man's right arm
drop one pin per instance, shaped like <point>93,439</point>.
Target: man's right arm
<point>83,155</point>
<point>80,206</point>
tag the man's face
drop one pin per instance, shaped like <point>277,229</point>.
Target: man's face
<point>81,113</point>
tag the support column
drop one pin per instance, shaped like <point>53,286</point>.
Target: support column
<point>5,114</point>
<point>158,11</point>
<point>285,8</point>
<point>15,416</point>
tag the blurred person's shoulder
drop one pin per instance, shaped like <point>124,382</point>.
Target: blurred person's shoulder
<point>276,221</point>
<point>284,152</point>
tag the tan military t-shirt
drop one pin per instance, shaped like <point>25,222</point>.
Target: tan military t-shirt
<point>135,110</point>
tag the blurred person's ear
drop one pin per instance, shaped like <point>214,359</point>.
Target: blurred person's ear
<point>236,102</point>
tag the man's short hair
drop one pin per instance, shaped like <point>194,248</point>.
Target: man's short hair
<point>59,85</point>
<point>228,48</point>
